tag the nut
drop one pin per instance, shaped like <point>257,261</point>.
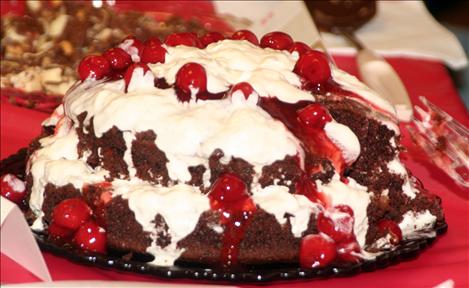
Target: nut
<point>67,47</point>
<point>81,15</point>
<point>14,51</point>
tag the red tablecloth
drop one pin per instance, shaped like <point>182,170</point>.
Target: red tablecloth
<point>448,258</point>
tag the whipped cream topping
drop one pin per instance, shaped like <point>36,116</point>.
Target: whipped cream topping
<point>279,202</point>
<point>396,167</point>
<point>415,223</point>
<point>343,137</point>
<point>179,205</point>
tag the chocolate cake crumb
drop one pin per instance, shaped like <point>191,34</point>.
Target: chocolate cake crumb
<point>284,172</point>
<point>163,238</point>
<point>274,243</point>
<point>123,232</point>
<point>106,151</point>
<point>112,149</point>
<point>197,176</point>
<point>53,195</point>
<point>87,141</point>
<point>149,161</point>
<point>319,168</point>
<point>237,166</point>
<point>203,245</point>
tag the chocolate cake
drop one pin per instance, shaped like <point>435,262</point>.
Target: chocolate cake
<point>225,152</point>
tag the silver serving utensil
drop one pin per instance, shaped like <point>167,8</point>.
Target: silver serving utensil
<point>377,73</point>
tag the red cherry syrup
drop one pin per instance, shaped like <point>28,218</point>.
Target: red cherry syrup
<point>230,197</point>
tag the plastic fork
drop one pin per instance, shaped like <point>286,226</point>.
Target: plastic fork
<point>443,139</point>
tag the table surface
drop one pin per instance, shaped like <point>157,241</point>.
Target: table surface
<point>447,258</point>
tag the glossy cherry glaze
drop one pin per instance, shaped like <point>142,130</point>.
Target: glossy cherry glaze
<point>118,58</point>
<point>276,40</point>
<point>12,188</point>
<point>90,237</point>
<point>335,224</point>
<point>305,186</point>
<point>313,66</point>
<point>95,66</point>
<point>153,41</point>
<point>245,35</point>
<point>314,139</point>
<point>244,87</point>
<point>191,76</point>
<point>316,251</point>
<point>130,71</point>
<point>71,213</point>
<point>299,47</point>
<point>391,228</point>
<point>184,38</point>
<point>153,54</point>
<point>136,43</point>
<point>347,250</point>
<point>59,234</point>
<point>210,37</point>
<point>230,197</point>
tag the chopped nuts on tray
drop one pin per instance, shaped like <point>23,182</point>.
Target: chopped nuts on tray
<point>40,49</point>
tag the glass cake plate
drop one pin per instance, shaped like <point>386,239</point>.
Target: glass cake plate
<point>15,164</point>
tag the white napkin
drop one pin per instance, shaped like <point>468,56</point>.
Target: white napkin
<point>398,28</point>
<point>17,241</point>
<point>404,28</point>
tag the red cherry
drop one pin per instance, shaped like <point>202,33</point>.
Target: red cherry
<point>153,41</point>
<point>346,250</point>
<point>183,38</point>
<point>153,54</point>
<point>314,116</point>
<point>306,187</point>
<point>313,66</point>
<point>299,47</point>
<point>245,35</point>
<point>344,209</point>
<point>390,227</point>
<point>244,87</point>
<point>191,75</point>
<point>130,71</point>
<point>316,251</point>
<point>91,237</point>
<point>71,213</point>
<point>211,37</point>
<point>59,233</point>
<point>117,58</point>
<point>228,188</point>
<point>94,66</point>
<point>276,40</point>
<point>338,228</point>
<point>136,43</point>
<point>12,188</point>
